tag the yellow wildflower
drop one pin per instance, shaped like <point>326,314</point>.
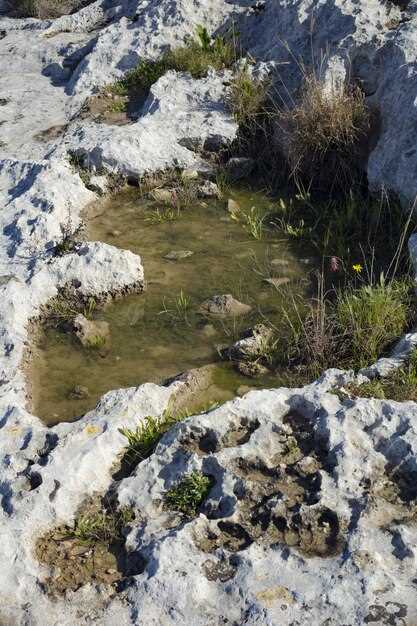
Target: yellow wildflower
<point>357,267</point>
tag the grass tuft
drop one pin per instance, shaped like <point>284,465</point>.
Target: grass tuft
<point>372,316</point>
<point>103,526</point>
<point>400,386</point>
<point>196,56</point>
<point>189,494</point>
<point>248,97</point>
<point>344,328</point>
<point>143,440</point>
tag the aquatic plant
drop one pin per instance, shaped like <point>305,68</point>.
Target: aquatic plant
<point>253,221</point>
<point>161,216</point>
<point>369,230</point>
<point>179,309</point>
<point>95,342</point>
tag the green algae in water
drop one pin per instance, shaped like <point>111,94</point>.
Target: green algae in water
<point>158,334</point>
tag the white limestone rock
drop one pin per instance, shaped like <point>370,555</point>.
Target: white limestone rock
<point>177,108</point>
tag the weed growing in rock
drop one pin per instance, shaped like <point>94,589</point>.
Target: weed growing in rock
<point>248,97</point>
<point>400,386</point>
<point>77,163</point>
<point>81,165</point>
<point>118,106</point>
<point>68,242</point>
<point>196,56</point>
<point>143,440</point>
<point>103,526</point>
<point>189,494</point>
<point>143,76</point>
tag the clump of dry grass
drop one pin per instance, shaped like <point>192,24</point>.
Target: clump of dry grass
<point>324,130</point>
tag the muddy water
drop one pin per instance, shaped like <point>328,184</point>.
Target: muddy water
<point>153,336</point>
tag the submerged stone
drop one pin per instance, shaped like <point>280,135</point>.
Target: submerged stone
<point>280,262</point>
<point>254,343</point>
<point>224,306</point>
<point>277,282</point>
<point>163,195</point>
<point>79,392</point>
<point>251,368</point>
<point>178,255</point>
<point>91,333</point>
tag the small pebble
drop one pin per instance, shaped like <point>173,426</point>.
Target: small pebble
<point>232,206</point>
<point>178,255</point>
<point>280,262</point>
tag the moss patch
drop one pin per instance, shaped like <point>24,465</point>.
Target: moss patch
<point>90,551</point>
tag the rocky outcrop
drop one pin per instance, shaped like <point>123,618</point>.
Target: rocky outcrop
<point>310,498</point>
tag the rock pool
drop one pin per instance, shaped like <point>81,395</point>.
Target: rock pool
<point>158,334</point>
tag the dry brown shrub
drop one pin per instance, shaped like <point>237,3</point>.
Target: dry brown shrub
<point>324,131</point>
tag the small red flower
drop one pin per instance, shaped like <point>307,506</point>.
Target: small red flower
<point>334,264</point>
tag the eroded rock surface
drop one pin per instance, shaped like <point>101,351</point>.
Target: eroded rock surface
<point>310,498</point>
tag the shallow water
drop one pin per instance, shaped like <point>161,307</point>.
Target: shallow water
<point>150,338</point>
